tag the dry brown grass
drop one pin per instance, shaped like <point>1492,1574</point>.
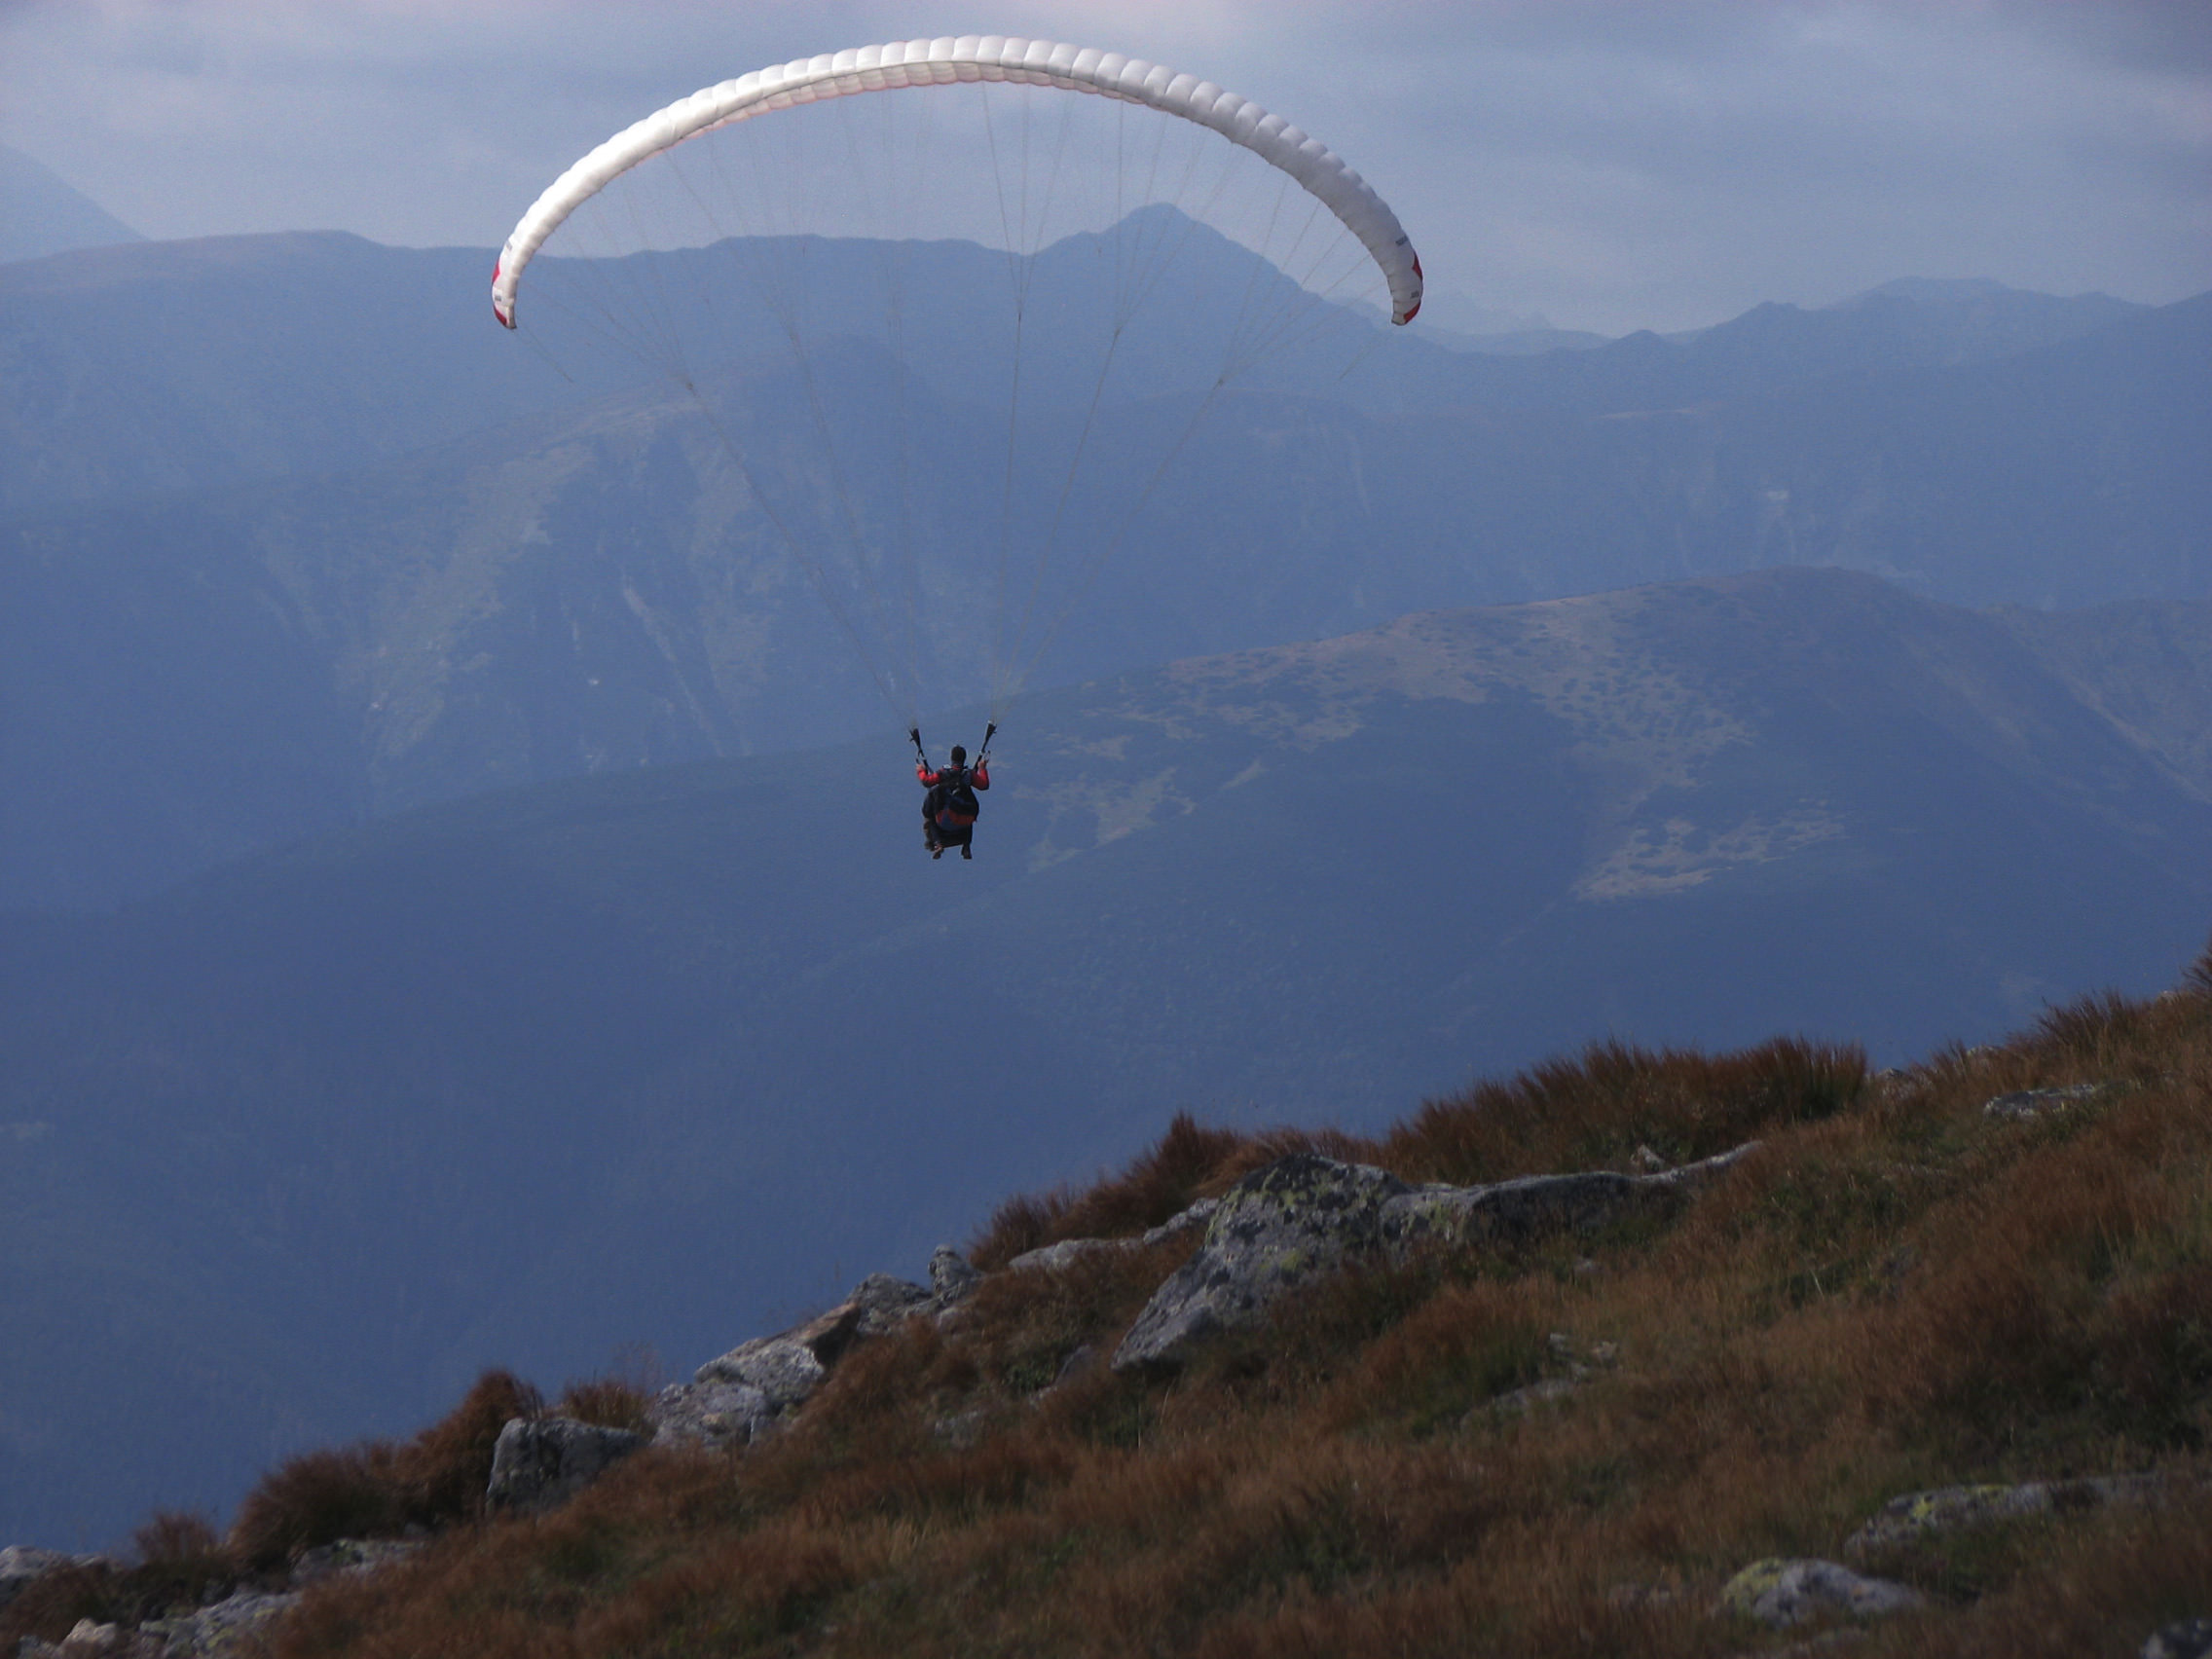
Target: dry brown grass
<point>380,1489</point>
<point>1896,1291</point>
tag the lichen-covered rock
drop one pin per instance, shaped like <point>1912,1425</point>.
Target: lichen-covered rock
<point>1781,1593</point>
<point>1904,1519</point>
<point>1185,1221</point>
<point>21,1565</point>
<point>234,1628</point>
<point>1536,1207</point>
<point>1278,1228</point>
<point>2185,1639</point>
<point>712,1416</point>
<point>539,1462</point>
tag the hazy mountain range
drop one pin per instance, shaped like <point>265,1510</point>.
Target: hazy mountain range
<point>659,1058</point>
<point>294,534</point>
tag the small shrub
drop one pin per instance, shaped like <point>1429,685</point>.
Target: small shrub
<point>171,1537</point>
<point>318,1498</point>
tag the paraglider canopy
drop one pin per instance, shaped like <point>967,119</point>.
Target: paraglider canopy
<point>948,60</point>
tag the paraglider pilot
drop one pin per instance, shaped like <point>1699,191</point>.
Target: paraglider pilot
<point>950,808</point>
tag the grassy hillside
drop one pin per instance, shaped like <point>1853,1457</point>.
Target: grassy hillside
<point>1901,1290</point>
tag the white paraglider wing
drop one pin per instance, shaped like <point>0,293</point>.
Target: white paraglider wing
<point>978,57</point>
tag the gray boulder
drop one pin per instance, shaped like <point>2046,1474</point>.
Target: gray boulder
<point>21,1566</point>
<point>539,1462</point>
<point>1278,1228</point>
<point>1781,1593</point>
<point>2185,1638</point>
<point>784,1369</point>
<point>1535,1206</point>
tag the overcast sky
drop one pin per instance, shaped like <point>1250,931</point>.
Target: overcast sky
<point>1613,165</point>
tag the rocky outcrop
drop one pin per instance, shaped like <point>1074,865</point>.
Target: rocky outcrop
<point>1306,1215</point>
<point>1517,1212</point>
<point>1278,1228</point>
<point>1918,1514</point>
<point>541,1461</point>
<point>1783,1594</point>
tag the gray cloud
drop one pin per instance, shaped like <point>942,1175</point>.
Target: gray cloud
<point>1660,165</point>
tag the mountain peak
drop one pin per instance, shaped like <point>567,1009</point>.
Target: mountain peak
<point>41,213</point>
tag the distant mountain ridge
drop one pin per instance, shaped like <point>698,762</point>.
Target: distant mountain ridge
<point>41,214</point>
<point>291,533</point>
<point>530,1076</point>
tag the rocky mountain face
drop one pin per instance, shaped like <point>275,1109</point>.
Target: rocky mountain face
<point>663,1054</point>
<point>290,535</point>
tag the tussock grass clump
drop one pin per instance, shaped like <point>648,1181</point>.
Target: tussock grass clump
<point>380,1490</point>
<point>1566,1450</point>
<point>1592,1110</point>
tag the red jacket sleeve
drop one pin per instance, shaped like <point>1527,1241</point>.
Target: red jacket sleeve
<point>928,777</point>
<point>980,777</point>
